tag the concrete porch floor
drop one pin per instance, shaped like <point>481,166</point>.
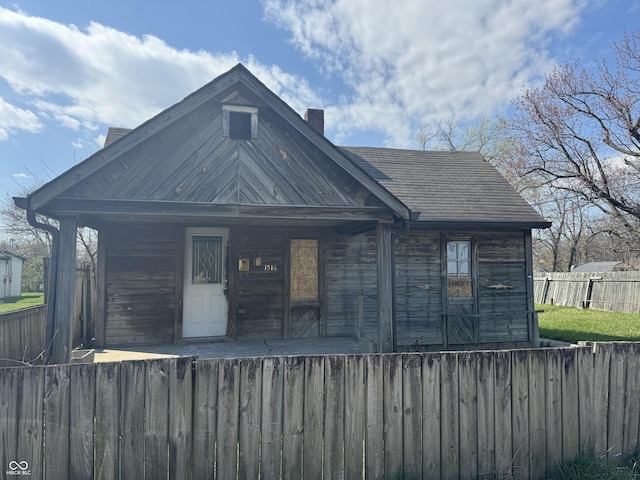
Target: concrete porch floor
<point>233,349</point>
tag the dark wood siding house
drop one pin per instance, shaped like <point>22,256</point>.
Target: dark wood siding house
<point>229,215</point>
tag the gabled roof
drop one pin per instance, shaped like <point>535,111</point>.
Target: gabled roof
<point>447,187</point>
<point>184,144</point>
<point>180,163</point>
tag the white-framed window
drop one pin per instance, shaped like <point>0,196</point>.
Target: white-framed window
<point>459,269</point>
<point>240,122</point>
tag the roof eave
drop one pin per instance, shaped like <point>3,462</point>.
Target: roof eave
<point>498,224</point>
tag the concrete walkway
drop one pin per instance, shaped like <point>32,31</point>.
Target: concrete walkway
<point>233,349</point>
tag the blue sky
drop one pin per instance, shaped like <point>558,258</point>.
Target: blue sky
<point>71,68</point>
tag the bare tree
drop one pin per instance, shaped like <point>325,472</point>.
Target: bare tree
<point>580,133</point>
<point>15,225</point>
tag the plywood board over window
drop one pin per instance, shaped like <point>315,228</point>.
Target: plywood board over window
<point>304,269</point>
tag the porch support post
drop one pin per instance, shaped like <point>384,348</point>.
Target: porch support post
<point>385,284</point>
<point>61,343</point>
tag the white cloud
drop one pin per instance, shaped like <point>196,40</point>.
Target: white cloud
<point>407,61</point>
<point>13,118</point>
<point>81,78</point>
<point>398,64</point>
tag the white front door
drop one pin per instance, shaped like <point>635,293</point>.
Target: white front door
<point>205,302</point>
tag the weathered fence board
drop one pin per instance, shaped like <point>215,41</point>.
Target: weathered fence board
<point>468,416</point>
<point>132,398</point>
<point>426,415</point>
<point>486,414</point>
<point>431,438</point>
<point>616,291</point>
<point>392,414</point>
<point>180,418</point>
<point>537,416</point>
<point>22,335</point>
<point>272,420</point>
<point>333,466</point>
<point>553,412</point>
<point>205,409</point>
<point>249,427</point>
<point>313,422</point>
<point>228,404</point>
<point>632,403</point>
<point>520,413</point>
<point>56,415</point>
<point>355,415</point>
<point>107,451</point>
<point>413,415</point>
<point>293,425</point>
<point>82,405</point>
<point>503,412</point>
<point>570,408</point>
<point>449,431</point>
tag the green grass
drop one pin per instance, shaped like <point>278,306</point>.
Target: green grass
<point>573,324</point>
<point>28,299</point>
<point>596,469</point>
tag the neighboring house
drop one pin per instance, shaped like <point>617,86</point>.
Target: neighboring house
<point>228,215</point>
<point>596,267</point>
<point>10,274</point>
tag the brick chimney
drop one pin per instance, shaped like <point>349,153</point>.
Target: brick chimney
<point>315,118</point>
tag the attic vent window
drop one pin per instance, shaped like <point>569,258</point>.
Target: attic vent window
<point>239,122</point>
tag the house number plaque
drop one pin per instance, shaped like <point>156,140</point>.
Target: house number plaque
<point>270,267</point>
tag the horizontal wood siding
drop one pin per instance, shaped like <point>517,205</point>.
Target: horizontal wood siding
<point>259,291</point>
<point>502,288</point>
<point>140,284</point>
<point>350,272</point>
<point>418,289</point>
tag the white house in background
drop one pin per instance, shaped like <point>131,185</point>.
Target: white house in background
<point>10,274</point>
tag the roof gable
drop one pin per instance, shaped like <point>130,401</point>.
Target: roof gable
<point>181,155</point>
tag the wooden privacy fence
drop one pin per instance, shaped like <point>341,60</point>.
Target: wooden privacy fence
<point>615,291</point>
<point>431,415</point>
<point>22,335</point>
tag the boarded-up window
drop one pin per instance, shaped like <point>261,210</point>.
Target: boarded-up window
<point>207,259</point>
<point>459,269</point>
<point>304,269</point>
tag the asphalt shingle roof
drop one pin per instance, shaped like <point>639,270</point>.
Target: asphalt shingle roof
<point>447,187</point>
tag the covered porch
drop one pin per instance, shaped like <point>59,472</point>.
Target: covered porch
<point>232,349</point>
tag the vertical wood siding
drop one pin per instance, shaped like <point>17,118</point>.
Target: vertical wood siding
<point>418,289</point>
<point>350,272</point>
<point>502,288</point>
